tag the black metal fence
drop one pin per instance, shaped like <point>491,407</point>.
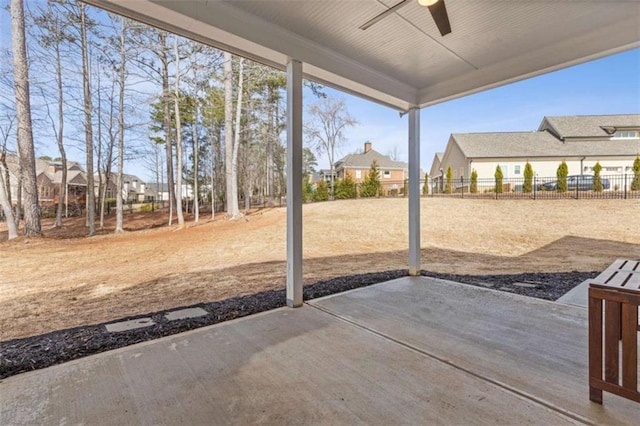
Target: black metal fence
<point>620,186</point>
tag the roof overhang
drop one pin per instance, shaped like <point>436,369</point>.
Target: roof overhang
<point>402,61</point>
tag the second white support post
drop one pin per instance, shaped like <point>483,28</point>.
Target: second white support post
<point>414,191</point>
<point>294,183</point>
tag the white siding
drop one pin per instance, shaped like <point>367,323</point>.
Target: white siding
<point>548,167</point>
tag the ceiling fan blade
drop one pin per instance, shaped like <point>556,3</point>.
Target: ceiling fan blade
<point>384,14</point>
<point>440,16</point>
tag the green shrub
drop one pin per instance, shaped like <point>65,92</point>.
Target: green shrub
<point>425,187</point>
<point>635,184</point>
<point>345,188</point>
<point>322,192</point>
<point>561,174</point>
<point>371,186</point>
<point>473,187</point>
<point>498,176</point>
<point>145,208</point>
<point>448,186</point>
<point>527,186</point>
<point>307,191</point>
<point>597,182</point>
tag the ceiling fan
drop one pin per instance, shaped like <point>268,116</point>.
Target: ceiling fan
<point>436,7</point>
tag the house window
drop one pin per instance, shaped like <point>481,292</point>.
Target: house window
<point>613,169</point>
<point>358,174</point>
<point>387,174</point>
<point>516,169</point>
<point>626,134</point>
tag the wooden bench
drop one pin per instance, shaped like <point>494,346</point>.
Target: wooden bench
<point>619,287</point>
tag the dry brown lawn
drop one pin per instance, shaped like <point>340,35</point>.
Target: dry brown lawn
<point>66,280</point>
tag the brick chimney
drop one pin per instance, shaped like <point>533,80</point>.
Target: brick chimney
<point>367,147</point>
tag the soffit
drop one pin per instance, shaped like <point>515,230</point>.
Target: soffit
<point>402,61</point>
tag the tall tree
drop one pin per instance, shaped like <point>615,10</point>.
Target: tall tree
<point>121,125</point>
<point>5,184</point>
<point>176,104</point>
<point>166,100</point>
<point>26,151</point>
<point>53,35</point>
<point>88,122</point>
<point>329,118</point>
<point>231,142</point>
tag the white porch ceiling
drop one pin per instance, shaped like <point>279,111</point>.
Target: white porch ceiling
<point>402,61</point>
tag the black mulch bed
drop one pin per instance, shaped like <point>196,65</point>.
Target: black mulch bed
<point>32,353</point>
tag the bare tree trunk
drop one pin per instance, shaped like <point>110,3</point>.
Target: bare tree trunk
<point>26,152</point>
<point>17,213</point>
<point>5,201</point>
<point>178,138</point>
<point>166,96</point>
<point>270,141</point>
<point>119,178</point>
<point>88,125</point>
<point>233,139</point>
<point>99,154</point>
<point>196,160</point>
<point>231,178</point>
<point>59,137</point>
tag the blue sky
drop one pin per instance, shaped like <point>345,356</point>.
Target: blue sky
<point>609,85</point>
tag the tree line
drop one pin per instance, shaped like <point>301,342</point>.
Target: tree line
<point>119,91</point>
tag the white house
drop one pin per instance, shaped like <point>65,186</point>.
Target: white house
<point>580,141</point>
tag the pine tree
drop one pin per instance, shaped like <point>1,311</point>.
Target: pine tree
<point>597,182</point>
<point>635,184</point>
<point>425,187</point>
<point>371,186</point>
<point>322,192</point>
<point>448,187</point>
<point>473,187</point>
<point>527,186</point>
<point>561,174</point>
<point>498,176</point>
<point>345,188</point>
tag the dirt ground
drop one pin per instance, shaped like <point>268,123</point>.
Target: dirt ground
<point>65,279</point>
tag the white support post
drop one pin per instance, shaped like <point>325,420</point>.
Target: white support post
<point>294,183</point>
<point>414,191</point>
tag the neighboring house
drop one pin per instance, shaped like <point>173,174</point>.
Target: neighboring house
<point>49,179</point>
<point>437,171</point>
<point>581,141</point>
<point>133,188</point>
<point>392,173</point>
<point>325,175</point>
<point>160,192</point>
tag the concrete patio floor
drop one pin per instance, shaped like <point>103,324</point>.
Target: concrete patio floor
<point>408,351</point>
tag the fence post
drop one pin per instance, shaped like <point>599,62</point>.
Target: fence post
<point>578,189</point>
<point>535,186</point>
<point>625,186</point>
<point>462,186</point>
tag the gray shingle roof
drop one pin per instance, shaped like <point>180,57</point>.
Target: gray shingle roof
<point>365,160</point>
<point>588,125</point>
<point>539,144</point>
